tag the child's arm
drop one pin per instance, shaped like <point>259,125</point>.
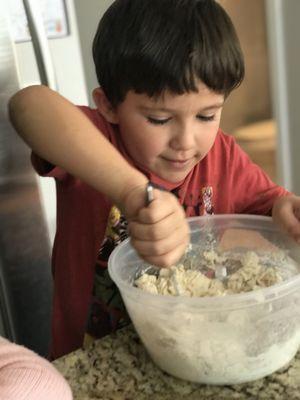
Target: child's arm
<point>58,132</point>
<point>286,213</point>
<point>25,375</point>
<point>61,134</point>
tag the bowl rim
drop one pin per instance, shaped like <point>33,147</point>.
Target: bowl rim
<point>230,301</point>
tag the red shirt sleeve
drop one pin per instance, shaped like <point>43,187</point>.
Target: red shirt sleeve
<point>44,168</point>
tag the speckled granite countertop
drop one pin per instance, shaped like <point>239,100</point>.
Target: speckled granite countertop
<point>117,367</point>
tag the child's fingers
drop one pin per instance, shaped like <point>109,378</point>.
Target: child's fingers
<point>154,212</point>
<point>158,230</point>
<point>168,259</point>
<point>136,201</point>
<point>292,226</point>
<point>160,208</point>
<point>160,247</point>
<point>287,216</point>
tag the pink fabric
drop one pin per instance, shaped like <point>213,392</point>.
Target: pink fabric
<point>26,376</point>
<point>225,179</point>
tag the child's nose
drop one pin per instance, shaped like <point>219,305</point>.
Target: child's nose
<point>183,138</point>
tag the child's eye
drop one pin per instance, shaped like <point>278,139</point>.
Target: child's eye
<point>206,118</point>
<point>157,121</point>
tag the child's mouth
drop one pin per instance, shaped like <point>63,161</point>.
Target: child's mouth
<point>178,164</point>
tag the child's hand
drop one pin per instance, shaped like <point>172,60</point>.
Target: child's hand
<point>286,213</point>
<point>159,232</point>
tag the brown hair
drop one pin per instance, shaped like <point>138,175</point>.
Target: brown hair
<point>150,46</point>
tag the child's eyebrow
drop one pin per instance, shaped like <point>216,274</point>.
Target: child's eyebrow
<point>213,106</point>
<point>165,109</point>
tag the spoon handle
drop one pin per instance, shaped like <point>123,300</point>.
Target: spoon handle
<point>149,193</point>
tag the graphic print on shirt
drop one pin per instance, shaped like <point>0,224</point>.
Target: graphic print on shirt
<point>197,202</point>
<point>207,196</point>
<point>107,311</point>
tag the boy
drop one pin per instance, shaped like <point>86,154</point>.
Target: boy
<point>165,68</point>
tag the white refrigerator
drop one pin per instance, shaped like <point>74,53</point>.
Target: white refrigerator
<point>27,202</point>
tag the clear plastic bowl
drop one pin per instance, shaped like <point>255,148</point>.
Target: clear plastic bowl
<point>218,340</point>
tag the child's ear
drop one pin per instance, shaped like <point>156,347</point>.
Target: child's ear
<point>104,106</point>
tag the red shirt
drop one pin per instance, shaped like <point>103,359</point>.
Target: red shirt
<point>225,181</point>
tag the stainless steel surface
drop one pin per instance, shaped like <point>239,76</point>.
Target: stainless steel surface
<point>40,44</point>
<point>25,272</point>
<point>7,328</point>
<point>283,36</point>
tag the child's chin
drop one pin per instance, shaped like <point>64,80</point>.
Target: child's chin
<point>174,177</point>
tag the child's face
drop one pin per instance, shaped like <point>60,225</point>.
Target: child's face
<point>169,135</point>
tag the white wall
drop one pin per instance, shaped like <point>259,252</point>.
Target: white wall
<point>88,16</point>
<point>67,62</point>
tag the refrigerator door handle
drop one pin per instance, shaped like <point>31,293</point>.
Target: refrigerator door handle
<point>40,43</point>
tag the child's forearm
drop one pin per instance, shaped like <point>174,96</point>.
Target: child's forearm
<point>57,131</point>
